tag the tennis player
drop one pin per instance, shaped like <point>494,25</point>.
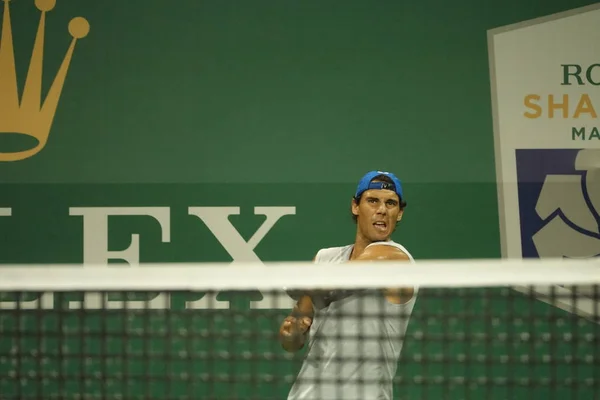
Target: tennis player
<point>354,339</point>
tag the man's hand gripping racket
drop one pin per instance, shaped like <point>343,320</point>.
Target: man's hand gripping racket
<point>295,326</point>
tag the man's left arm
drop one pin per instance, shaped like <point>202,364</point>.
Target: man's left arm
<point>389,253</point>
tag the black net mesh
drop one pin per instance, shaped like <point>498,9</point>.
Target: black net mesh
<point>483,343</point>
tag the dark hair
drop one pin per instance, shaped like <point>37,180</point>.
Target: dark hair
<point>378,178</point>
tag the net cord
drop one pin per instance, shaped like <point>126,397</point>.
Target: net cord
<point>458,273</point>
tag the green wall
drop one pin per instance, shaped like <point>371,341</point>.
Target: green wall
<point>271,104</point>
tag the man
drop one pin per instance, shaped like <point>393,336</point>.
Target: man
<point>354,338</point>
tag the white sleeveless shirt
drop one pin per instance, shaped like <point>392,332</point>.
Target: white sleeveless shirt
<point>354,343</point>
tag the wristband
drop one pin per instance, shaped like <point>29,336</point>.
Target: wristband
<point>295,293</point>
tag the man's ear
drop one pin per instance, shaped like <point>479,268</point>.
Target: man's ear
<point>400,215</point>
<point>354,206</point>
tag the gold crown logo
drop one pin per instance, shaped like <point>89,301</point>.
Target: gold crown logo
<point>30,116</point>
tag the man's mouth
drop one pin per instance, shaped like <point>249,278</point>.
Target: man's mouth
<point>380,226</point>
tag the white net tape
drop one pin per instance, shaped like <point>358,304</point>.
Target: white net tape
<point>279,275</point>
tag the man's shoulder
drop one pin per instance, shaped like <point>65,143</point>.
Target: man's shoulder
<point>333,252</point>
<point>389,247</point>
<point>335,248</point>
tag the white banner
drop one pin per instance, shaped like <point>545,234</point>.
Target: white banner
<point>545,77</point>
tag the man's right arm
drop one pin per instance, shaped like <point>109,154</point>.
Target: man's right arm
<point>293,330</point>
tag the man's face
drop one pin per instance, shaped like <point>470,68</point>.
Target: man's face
<point>377,214</point>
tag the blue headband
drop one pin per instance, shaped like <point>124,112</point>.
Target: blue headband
<point>366,184</point>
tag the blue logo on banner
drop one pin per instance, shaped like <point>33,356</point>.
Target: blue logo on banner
<point>559,200</point>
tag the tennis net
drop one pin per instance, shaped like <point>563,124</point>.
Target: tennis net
<point>473,329</point>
